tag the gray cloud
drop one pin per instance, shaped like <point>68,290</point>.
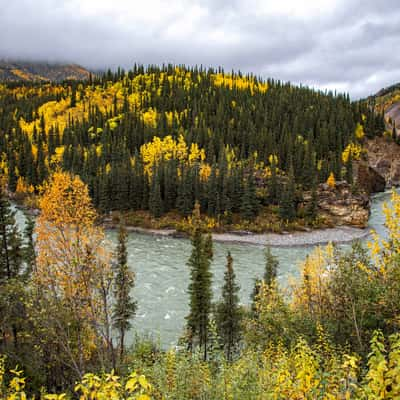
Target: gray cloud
<point>350,45</point>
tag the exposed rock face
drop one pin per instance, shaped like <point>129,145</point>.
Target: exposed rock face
<point>384,158</point>
<point>367,178</point>
<point>340,206</point>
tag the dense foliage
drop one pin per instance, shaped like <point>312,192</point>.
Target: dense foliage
<point>158,139</point>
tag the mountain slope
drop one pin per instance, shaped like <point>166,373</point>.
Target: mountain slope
<point>35,71</point>
<point>388,100</point>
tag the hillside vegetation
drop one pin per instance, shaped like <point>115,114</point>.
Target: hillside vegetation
<point>387,101</point>
<point>156,140</point>
<point>20,71</point>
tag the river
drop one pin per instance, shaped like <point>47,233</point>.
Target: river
<point>162,276</point>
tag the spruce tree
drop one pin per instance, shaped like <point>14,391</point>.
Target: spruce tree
<point>254,296</point>
<point>250,204</point>
<point>11,263</point>
<point>287,206</point>
<point>155,200</point>
<point>200,291</point>
<point>273,195</point>
<point>29,249</point>
<point>11,257</point>
<point>271,267</point>
<point>12,176</point>
<point>213,200</point>
<point>312,207</point>
<point>228,313</point>
<point>184,201</point>
<point>124,281</point>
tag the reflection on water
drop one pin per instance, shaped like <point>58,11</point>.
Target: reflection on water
<point>162,275</point>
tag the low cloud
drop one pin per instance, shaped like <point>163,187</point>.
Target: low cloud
<point>351,46</point>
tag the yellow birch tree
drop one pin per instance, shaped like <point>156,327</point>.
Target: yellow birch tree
<point>74,269</point>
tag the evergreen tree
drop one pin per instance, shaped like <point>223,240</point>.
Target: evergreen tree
<point>312,207</point>
<point>30,253</point>
<point>271,267</point>
<point>124,281</point>
<point>155,201</point>
<point>254,295</point>
<point>11,263</point>
<point>11,257</point>
<point>184,201</point>
<point>12,176</point>
<point>273,195</point>
<point>213,196</point>
<point>200,292</point>
<point>228,313</point>
<point>349,170</point>
<point>250,204</point>
<point>287,206</point>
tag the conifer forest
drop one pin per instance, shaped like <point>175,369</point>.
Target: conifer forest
<point>158,139</point>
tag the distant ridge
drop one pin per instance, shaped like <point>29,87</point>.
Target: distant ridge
<point>387,100</point>
<point>388,90</point>
<point>24,71</point>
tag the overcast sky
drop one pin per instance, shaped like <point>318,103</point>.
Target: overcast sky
<point>348,45</point>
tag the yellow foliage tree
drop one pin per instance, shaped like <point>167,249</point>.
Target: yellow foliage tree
<point>239,83</point>
<point>352,150</point>
<point>310,295</point>
<point>359,132</point>
<point>331,182</point>
<point>73,264</point>
<point>169,149</point>
<point>384,251</point>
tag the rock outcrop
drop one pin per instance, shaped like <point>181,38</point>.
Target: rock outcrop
<point>341,206</point>
<point>368,178</point>
<point>384,157</point>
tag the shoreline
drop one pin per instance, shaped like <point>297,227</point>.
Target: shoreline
<point>337,235</point>
<point>316,237</point>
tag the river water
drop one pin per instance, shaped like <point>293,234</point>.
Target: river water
<point>162,275</point>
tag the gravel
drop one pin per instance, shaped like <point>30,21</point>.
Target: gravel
<point>315,237</point>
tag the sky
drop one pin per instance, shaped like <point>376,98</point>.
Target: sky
<point>345,45</point>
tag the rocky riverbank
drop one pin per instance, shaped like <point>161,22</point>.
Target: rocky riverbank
<point>297,239</point>
<point>342,206</point>
<point>338,235</point>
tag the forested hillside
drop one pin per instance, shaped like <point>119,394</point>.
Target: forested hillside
<point>387,101</point>
<point>24,71</point>
<point>160,139</point>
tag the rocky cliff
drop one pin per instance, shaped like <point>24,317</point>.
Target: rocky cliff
<point>383,153</point>
<point>368,178</point>
<point>384,157</point>
<point>342,206</point>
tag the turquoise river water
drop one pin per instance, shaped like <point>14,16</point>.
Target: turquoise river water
<point>162,276</point>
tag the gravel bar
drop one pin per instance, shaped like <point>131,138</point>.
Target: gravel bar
<point>339,235</point>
